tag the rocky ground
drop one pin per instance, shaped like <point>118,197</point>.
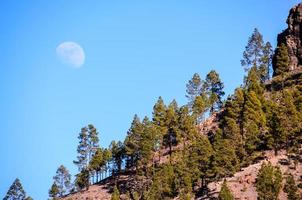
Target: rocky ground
<point>242,183</point>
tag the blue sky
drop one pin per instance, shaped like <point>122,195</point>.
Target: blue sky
<point>135,51</point>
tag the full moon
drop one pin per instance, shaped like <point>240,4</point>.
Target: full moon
<point>71,53</point>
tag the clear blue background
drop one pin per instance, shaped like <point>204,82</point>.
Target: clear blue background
<point>135,52</point>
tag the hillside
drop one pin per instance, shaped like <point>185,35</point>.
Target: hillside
<point>241,184</point>
<point>249,146</point>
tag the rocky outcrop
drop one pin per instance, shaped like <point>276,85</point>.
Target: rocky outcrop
<point>292,37</point>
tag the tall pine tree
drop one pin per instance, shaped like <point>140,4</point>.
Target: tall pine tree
<point>214,88</point>
<point>194,88</point>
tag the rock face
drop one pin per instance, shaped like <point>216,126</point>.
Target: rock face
<point>292,37</point>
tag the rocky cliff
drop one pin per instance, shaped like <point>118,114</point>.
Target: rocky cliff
<point>292,37</point>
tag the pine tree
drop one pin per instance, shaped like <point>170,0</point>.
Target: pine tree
<point>224,161</point>
<point>82,180</point>
<point>93,141</point>
<point>231,121</point>
<point>87,147</point>
<point>281,60</point>
<point>258,55</point>
<point>159,120</point>
<point>170,139</point>
<point>97,163</point>
<point>266,61</point>
<point>253,82</point>
<point>116,194</point>
<point>254,121</point>
<point>290,118</point>
<point>277,131</point>
<point>291,189</point>
<point>194,89</point>
<point>214,88</point>
<point>54,192</point>
<point>118,153</point>
<point>62,180</point>
<point>199,107</point>
<point>284,121</point>
<point>225,193</point>
<point>83,150</point>
<point>107,155</point>
<point>268,182</point>
<point>253,51</point>
<point>147,144</point>
<point>15,192</point>
<point>132,142</point>
<point>187,127</point>
<point>199,158</point>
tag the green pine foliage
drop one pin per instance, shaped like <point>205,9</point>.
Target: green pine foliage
<point>214,89</point>
<point>194,88</point>
<point>62,183</point>
<point>225,162</point>
<point>291,189</point>
<point>254,121</point>
<point>269,182</point>
<point>118,153</point>
<point>258,55</point>
<point>281,61</point>
<point>225,193</point>
<point>82,180</point>
<point>97,163</point>
<point>132,142</point>
<point>54,192</point>
<point>16,192</point>
<point>170,138</point>
<point>116,194</point>
<point>87,147</point>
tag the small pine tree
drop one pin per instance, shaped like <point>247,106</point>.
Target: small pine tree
<point>82,180</point>
<point>116,194</point>
<point>281,60</point>
<point>54,192</point>
<point>291,189</point>
<point>269,182</point>
<point>16,191</point>
<point>225,193</point>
